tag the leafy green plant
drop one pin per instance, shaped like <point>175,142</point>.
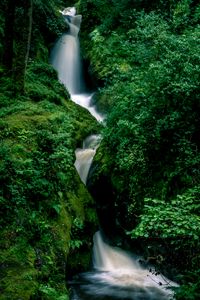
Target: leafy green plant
<point>161,219</point>
<point>76,233</point>
<point>50,293</point>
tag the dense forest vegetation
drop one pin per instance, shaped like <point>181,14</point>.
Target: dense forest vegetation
<point>144,58</point>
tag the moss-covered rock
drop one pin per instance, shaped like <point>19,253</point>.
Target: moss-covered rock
<point>103,191</point>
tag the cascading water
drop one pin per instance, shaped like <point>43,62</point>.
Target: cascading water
<point>65,55</point>
<point>116,274</point>
<point>85,100</point>
<point>84,156</point>
<point>65,58</point>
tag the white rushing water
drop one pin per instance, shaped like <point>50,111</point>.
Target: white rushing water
<point>116,274</point>
<point>64,57</point>
<point>119,268</point>
<point>66,60</point>
<point>85,100</point>
<point>85,155</point>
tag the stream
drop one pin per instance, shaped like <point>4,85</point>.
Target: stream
<point>115,274</point>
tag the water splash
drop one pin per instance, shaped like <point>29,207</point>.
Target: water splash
<point>107,258</point>
<point>119,275</point>
<point>69,11</point>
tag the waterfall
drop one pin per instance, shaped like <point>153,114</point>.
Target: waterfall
<point>116,274</point>
<point>119,275</point>
<point>66,60</point>
<point>65,56</point>
<point>107,258</point>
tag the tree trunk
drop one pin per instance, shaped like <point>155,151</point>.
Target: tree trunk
<point>29,33</point>
<point>23,29</point>
<point>9,36</point>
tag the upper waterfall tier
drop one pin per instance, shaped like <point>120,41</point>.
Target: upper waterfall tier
<point>65,56</point>
<point>73,20</point>
<point>74,24</point>
<point>69,11</point>
<point>66,60</point>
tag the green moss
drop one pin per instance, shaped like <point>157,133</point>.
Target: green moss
<point>19,277</point>
<point>42,196</point>
<point>62,226</point>
<point>84,224</point>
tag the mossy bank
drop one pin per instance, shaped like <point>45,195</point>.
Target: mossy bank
<point>46,212</point>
